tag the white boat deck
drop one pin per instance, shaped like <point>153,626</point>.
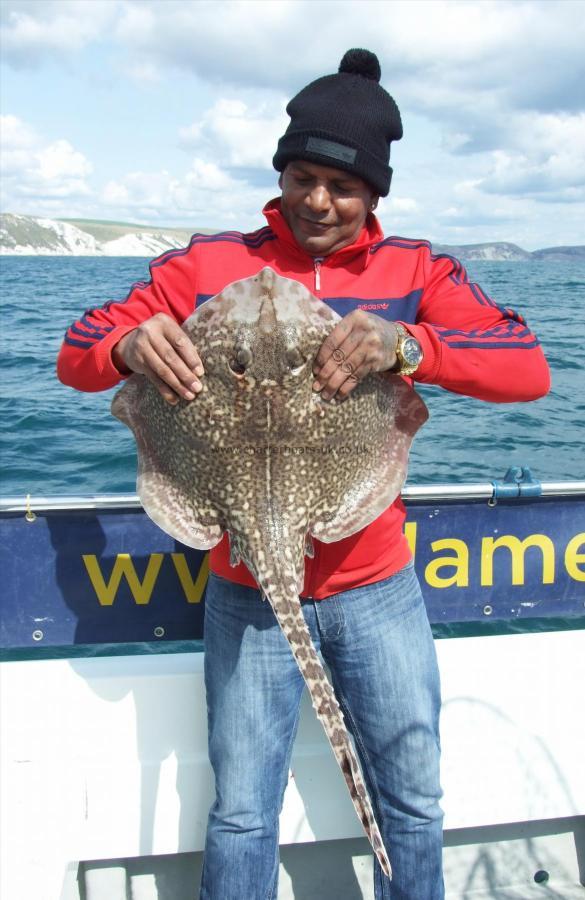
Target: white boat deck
<point>104,759</point>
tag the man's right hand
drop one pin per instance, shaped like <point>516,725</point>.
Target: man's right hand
<point>160,350</point>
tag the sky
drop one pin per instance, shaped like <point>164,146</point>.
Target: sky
<point>167,112</point>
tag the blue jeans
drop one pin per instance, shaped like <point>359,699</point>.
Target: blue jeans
<point>378,644</point>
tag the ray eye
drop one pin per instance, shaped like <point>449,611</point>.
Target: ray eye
<point>244,357</point>
<point>236,367</point>
<point>294,358</point>
<point>241,360</point>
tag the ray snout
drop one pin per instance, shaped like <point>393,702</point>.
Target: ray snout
<point>267,278</point>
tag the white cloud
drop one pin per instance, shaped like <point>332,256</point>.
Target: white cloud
<point>15,133</point>
<point>205,195</point>
<point>402,204</point>
<point>477,70</point>
<point>61,161</point>
<point>230,42</point>
<point>116,194</point>
<point>544,156</point>
<point>239,135</point>
<point>496,84</point>
<point>438,56</point>
<point>18,140</point>
<point>208,176</point>
<point>144,73</point>
<point>37,29</point>
<point>32,170</point>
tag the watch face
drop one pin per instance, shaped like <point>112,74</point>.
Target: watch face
<point>411,351</point>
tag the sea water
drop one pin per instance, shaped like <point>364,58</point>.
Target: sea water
<point>58,441</point>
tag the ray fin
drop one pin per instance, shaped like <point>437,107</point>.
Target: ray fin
<point>170,500</point>
<point>379,474</point>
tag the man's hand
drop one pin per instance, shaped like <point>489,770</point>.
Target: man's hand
<point>361,343</point>
<point>161,350</point>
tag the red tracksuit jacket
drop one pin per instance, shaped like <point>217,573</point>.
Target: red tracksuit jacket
<point>471,346</point>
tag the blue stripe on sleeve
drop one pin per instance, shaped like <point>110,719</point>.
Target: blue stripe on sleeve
<point>458,275</point>
<point>493,345</point>
<point>254,240</point>
<point>82,344</point>
<point>91,326</point>
<point>95,334</point>
<point>516,331</point>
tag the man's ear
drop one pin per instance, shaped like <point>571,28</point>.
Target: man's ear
<point>374,201</point>
<point>280,181</point>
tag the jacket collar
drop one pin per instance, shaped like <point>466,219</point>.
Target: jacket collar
<point>370,234</point>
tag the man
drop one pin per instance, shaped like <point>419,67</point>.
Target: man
<point>405,311</point>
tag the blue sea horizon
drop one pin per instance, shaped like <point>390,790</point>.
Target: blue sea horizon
<point>58,441</point>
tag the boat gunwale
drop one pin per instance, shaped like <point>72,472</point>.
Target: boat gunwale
<point>423,493</point>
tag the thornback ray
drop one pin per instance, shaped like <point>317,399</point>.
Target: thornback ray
<point>260,455</point>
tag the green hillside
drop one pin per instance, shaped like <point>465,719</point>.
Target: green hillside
<point>104,230</point>
<point>26,231</point>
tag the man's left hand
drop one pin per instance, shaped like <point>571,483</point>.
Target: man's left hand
<point>361,343</point>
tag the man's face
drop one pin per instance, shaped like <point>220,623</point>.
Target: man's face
<point>324,208</point>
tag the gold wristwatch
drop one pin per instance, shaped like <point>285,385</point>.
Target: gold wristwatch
<point>409,353</point>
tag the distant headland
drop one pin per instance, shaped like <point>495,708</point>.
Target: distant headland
<point>36,236</point>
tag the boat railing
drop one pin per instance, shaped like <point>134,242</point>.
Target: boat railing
<point>420,493</point>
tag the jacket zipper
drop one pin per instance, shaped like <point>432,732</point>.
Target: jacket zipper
<point>317,266</point>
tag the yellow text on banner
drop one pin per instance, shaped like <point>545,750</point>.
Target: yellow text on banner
<point>123,567</point>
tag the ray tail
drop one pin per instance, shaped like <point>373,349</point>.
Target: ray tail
<point>289,614</point>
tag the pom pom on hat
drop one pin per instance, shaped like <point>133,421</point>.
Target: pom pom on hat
<point>361,62</point>
<point>344,121</point>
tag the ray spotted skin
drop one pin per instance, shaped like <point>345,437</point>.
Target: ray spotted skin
<point>262,456</point>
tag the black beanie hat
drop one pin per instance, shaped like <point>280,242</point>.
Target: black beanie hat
<point>346,121</point>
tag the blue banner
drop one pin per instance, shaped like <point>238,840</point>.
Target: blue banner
<point>102,577</point>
